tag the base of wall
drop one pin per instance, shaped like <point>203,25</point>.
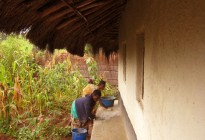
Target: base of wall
<point>128,126</point>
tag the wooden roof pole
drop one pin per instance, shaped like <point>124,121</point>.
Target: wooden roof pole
<point>76,11</point>
<point>63,25</point>
<point>67,23</point>
<point>104,25</point>
<point>52,9</point>
<point>104,19</point>
<point>99,13</point>
<point>62,13</point>
<point>75,19</point>
<point>92,6</point>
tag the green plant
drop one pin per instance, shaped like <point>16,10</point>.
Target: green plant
<point>91,63</point>
<point>93,72</point>
<point>32,84</point>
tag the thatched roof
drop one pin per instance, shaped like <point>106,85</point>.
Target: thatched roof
<point>56,24</point>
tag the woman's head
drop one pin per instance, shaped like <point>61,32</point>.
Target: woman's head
<point>96,95</point>
<point>91,81</point>
<point>101,85</point>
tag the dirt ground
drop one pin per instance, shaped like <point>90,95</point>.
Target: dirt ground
<point>67,138</point>
<point>4,137</point>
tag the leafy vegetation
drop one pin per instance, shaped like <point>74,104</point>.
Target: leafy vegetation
<point>35,99</point>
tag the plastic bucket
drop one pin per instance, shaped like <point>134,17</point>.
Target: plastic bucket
<point>108,101</point>
<point>79,134</point>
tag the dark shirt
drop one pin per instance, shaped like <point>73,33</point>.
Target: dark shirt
<point>84,107</point>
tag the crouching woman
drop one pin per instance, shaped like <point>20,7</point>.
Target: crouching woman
<point>81,111</point>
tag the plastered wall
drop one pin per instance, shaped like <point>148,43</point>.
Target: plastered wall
<point>174,68</point>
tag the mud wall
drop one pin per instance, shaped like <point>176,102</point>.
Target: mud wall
<point>107,69</point>
<point>174,39</point>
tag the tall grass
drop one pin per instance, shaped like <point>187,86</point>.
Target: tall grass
<point>35,99</point>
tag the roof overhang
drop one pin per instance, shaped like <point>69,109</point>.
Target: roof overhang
<point>69,24</point>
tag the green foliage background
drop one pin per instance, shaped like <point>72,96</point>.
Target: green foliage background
<point>35,99</point>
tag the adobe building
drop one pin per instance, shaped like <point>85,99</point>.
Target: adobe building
<point>161,62</point>
<point>161,68</point>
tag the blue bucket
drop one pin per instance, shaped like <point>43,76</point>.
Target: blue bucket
<point>79,134</point>
<point>108,101</point>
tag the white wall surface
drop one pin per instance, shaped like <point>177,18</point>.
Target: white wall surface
<point>174,88</point>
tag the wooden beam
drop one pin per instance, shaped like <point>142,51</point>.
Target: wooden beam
<point>75,28</point>
<point>63,25</point>
<point>75,11</point>
<point>104,18</point>
<point>103,27</point>
<point>60,14</point>
<point>52,9</point>
<point>83,4</point>
<point>66,12</point>
<point>102,30</point>
<point>92,6</point>
<point>94,10</point>
<point>105,9</point>
<point>69,22</point>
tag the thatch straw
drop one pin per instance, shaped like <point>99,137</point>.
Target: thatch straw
<point>70,24</point>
